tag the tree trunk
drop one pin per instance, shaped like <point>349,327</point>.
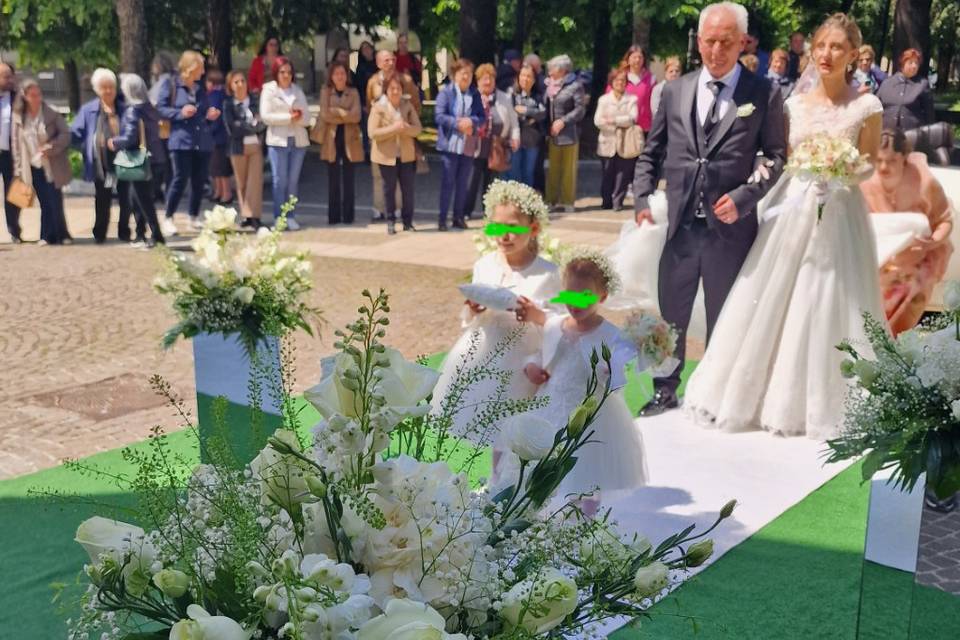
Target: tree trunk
<point>134,47</point>
<point>911,29</point>
<point>520,25</point>
<point>601,48</point>
<point>881,38</point>
<point>73,84</point>
<point>641,26</point>
<point>478,30</point>
<point>220,27</point>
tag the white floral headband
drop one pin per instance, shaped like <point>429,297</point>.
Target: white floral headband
<point>524,197</point>
<point>610,276</point>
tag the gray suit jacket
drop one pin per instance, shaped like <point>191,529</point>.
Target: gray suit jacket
<point>676,150</point>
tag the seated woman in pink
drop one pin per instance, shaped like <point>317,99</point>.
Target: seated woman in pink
<point>903,186</point>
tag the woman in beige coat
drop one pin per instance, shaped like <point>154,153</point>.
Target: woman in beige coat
<point>39,141</point>
<point>620,139</point>
<point>393,127</point>
<point>338,132</point>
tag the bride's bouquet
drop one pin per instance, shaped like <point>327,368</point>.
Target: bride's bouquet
<point>904,412</point>
<point>829,163</point>
<point>655,340</point>
<point>337,538</point>
<point>237,283</point>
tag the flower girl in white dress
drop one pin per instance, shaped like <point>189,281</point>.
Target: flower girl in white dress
<point>517,266</point>
<point>772,361</point>
<point>613,457</point>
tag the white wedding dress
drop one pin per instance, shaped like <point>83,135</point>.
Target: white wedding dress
<point>540,282</point>
<point>772,361</point>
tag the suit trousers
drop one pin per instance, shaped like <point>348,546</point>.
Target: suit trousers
<point>617,176</point>
<point>562,175</point>
<point>696,252</point>
<point>248,172</point>
<point>102,201</point>
<point>454,182</point>
<point>340,183</point>
<point>187,165</point>
<point>11,210</point>
<point>378,203</point>
<point>404,173</point>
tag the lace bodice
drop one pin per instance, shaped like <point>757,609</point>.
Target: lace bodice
<point>808,118</point>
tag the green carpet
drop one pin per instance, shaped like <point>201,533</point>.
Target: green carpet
<point>797,578</point>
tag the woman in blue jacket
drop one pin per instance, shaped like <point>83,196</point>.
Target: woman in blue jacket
<point>97,121</point>
<point>141,126</point>
<point>183,101</point>
<point>459,114</point>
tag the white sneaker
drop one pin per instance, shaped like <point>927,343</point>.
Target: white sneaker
<point>292,224</point>
<point>196,224</point>
<point>168,227</point>
<point>138,244</point>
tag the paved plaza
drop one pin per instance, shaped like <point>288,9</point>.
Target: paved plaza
<point>80,325</point>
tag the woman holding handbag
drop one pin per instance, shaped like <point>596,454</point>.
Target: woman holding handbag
<point>241,117</point>
<point>338,132</point>
<point>499,134</point>
<point>39,142</point>
<point>393,128</point>
<point>140,150</point>
<point>620,139</point>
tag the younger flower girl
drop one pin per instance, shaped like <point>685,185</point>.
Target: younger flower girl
<point>516,266</point>
<point>612,459</point>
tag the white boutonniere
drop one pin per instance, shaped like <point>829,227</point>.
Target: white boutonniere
<point>744,110</point>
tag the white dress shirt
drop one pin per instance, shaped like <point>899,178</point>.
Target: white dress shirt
<point>6,114</point>
<point>705,96</point>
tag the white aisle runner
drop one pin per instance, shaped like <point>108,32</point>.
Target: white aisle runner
<point>694,471</point>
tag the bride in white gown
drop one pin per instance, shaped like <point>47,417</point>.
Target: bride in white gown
<point>772,361</point>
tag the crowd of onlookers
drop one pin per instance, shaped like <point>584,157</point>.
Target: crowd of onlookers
<point>194,127</point>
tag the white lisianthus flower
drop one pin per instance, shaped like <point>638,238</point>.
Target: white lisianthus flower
<point>544,600</point>
<point>220,218</point>
<point>282,477</point>
<point>244,294</point>
<point>951,296</point>
<point>867,371</point>
<point>528,436</point>
<point>336,392</point>
<point>203,626</point>
<point>172,582</point>
<point>407,620</point>
<point>651,579</point>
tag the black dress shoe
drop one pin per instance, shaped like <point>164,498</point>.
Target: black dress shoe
<point>408,227</point>
<point>660,402</point>
<point>442,227</point>
<point>460,224</point>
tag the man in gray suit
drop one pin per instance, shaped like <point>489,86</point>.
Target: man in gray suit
<point>719,141</point>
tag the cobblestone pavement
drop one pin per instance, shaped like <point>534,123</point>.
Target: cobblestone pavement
<point>938,564</point>
<point>80,326</point>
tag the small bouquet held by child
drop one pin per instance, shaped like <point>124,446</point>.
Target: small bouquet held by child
<point>830,163</point>
<point>655,340</point>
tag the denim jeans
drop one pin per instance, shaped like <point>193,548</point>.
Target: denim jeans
<point>454,183</point>
<point>523,164</point>
<point>285,165</point>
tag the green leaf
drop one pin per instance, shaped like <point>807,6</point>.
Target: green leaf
<point>872,463</point>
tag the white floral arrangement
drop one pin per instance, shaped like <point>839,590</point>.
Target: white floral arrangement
<point>338,540</point>
<point>904,411</point>
<point>830,163</point>
<point>655,340</point>
<point>611,278</point>
<point>236,283</point>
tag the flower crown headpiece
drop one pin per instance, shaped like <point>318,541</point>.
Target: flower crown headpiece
<point>525,197</point>
<point>610,276</point>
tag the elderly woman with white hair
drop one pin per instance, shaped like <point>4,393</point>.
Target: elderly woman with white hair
<point>566,106</point>
<point>140,128</point>
<point>97,121</point>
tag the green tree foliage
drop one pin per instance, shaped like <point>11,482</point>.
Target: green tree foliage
<point>51,32</point>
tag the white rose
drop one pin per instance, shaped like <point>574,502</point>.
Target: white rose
<point>282,477</point>
<point>528,436</point>
<point>951,296</point>
<point>244,294</point>
<point>651,579</point>
<point>407,620</point>
<point>221,218</point>
<point>867,372</point>
<point>544,600</point>
<point>173,583</point>
<point>203,626</point>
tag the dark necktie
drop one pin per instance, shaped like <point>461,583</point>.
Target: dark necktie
<point>713,116</point>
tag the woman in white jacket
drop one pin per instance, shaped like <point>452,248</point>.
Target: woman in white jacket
<point>284,109</point>
<point>620,140</point>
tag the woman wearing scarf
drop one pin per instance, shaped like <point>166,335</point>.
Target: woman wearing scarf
<point>39,143</point>
<point>97,121</point>
<point>566,106</point>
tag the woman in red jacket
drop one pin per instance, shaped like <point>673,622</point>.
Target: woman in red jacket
<point>259,73</point>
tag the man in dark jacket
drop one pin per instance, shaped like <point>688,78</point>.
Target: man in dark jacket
<point>509,69</point>
<point>8,88</point>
